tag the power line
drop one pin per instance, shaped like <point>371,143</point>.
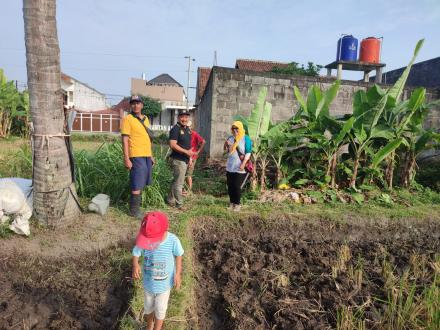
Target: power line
<point>108,69</point>
<point>102,54</point>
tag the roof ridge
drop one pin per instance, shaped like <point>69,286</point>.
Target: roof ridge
<point>260,61</point>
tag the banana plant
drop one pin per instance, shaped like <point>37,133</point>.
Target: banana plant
<point>257,125</point>
<point>417,144</point>
<point>318,103</point>
<point>333,142</point>
<point>13,104</point>
<point>398,118</point>
<point>368,109</point>
<point>325,133</point>
<point>417,140</point>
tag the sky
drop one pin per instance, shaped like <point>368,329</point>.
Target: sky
<point>104,43</point>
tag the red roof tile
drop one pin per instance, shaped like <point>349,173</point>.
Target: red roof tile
<point>123,105</point>
<point>202,80</point>
<point>66,78</point>
<point>258,65</point>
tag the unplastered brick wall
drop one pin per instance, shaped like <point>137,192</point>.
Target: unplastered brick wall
<point>230,92</point>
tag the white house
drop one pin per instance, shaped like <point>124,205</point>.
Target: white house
<point>168,92</point>
<point>81,96</point>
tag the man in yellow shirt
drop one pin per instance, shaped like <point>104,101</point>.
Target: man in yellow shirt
<point>138,157</point>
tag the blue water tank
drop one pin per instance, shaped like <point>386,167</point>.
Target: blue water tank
<point>347,49</point>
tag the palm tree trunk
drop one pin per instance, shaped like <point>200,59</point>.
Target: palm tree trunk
<point>55,201</point>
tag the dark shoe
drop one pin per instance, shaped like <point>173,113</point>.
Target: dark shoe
<point>135,206</point>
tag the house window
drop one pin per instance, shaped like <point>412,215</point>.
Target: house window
<point>70,97</point>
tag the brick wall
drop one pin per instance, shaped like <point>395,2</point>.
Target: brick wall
<point>230,92</point>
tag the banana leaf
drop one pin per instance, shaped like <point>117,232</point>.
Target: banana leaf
<point>382,131</point>
<point>416,100</point>
<point>314,98</point>
<point>385,151</point>
<point>329,96</point>
<point>256,118</point>
<point>397,89</point>
<point>344,131</point>
<point>302,103</point>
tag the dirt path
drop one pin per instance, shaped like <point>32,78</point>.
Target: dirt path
<point>90,233</point>
<point>74,278</point>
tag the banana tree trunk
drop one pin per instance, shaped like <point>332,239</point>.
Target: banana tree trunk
<point>334,162</point>
<point>254,174</point>
<point>279,175</point>
<point>329,167</point>
<point>263,166</point>
<point>355,171</point>
<point>409,171</point>
<point>55,201</point>
<point>389,172</point>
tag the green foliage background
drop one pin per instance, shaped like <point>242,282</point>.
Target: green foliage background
<point>299,69</point>
<point>151,107</point>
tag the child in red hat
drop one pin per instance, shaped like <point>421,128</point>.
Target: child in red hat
<point>162,266</point>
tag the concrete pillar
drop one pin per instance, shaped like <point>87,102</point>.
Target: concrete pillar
<point>329,72</point>
<point>339,74</point>
<point>378,75</point>
<point>366,76</point>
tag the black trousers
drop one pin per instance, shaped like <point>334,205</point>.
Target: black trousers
<point>234,181</point>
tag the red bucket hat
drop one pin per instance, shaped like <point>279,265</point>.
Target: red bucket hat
<point>153,227</point>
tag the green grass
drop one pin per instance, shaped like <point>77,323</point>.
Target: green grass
<point>5,232</point>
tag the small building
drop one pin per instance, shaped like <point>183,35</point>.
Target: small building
<point>422,74</point>
<point>123,108</point>
<point>81,96</point>
<point>202,80</point>
<point>168,92</point>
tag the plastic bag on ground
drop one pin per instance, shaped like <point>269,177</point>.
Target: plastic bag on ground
<point>16,203</point>
<point>99,204</point>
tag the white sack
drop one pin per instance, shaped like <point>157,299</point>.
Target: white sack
<point>16,203</point>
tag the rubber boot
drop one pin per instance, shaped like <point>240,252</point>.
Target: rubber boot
<point>135,206</point>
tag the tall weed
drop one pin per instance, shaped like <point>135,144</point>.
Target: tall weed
<point>104,172</point>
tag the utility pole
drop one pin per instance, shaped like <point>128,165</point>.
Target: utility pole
<point>188,80</point>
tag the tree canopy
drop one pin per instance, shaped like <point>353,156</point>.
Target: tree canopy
<point>151,107</point>
<point>295,68</point>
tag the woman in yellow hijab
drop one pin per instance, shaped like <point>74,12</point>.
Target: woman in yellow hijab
<point>239,148</point>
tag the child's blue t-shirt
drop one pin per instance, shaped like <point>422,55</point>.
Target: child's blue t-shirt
<point>159,266</point>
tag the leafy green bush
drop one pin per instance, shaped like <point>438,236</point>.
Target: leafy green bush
<point>295,68</point>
